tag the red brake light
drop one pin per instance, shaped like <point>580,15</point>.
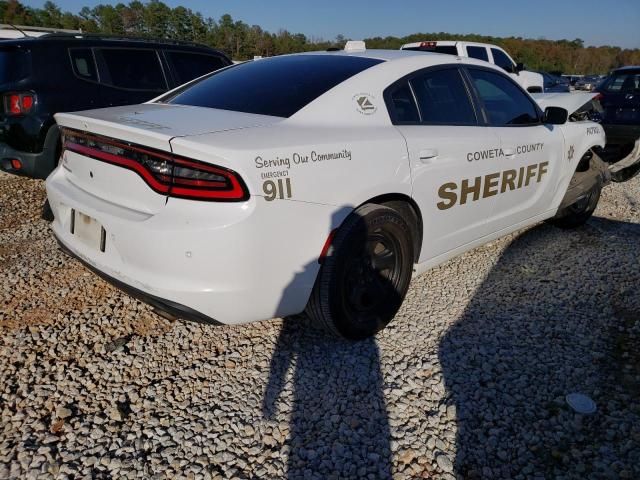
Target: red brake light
<point>428,44</point>
<point>165,173</point>
<point>18,103</point>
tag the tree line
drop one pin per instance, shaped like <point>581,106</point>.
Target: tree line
<point>242,41</point>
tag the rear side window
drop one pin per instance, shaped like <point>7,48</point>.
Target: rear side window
<point>187,66</point>
<point>505,103</point>
<point>443,98</point>
<point>83,63</point>
<point>623,82</point>
<point>14,65</point>
<point>500,59</point>
<point>478,52</point>
<point>132,69</point>
<point>402,107</point>
<point>278,86</point>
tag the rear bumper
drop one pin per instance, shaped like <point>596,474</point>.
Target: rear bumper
<point>232,262</point>
<point>34,165</point>
<point>621,134</point>
<point>165,306</point>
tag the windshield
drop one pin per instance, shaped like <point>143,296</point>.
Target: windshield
<point>278,86</point>
<point>13,65</point>
<point>623,82</point>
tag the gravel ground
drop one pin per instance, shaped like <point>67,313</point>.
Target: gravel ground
<point>467,382</point>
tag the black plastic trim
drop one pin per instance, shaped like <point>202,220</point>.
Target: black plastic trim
<point>167,306</point>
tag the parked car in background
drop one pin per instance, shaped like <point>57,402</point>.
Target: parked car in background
<point>555,84</point>
<point>619,96</point>
<point>588,82</point>
<point>69,72</point>
<point>530,81</point>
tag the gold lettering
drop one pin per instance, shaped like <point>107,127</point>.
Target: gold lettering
<point>465,190</point>
<point>447,192</point>
<point>530,173</point>
<point>490,185</point>
<point>542,170</point>
<point>508,177</point>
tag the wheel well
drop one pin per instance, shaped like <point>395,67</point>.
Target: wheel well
<point>408,208</point>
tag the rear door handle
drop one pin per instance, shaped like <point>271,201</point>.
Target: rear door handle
<point>428,154</point>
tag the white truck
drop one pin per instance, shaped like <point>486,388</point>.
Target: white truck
<point>530,81</point>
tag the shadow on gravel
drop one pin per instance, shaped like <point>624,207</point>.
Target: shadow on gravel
<point>550,319</point>
<point>338,424</point>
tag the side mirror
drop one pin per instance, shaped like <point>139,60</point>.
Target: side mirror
<point>519,67</point>
<point>555,116</point>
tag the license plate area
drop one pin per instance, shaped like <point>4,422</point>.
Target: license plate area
<point>88,230</point>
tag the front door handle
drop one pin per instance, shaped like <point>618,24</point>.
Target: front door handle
<point>428,154</point>
<point>509,152</point>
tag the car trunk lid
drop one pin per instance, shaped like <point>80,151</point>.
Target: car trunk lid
<point>123,155</point>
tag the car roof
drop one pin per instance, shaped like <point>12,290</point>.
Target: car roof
<point>384,55</point>
<point>100,39</point>
<point>628,67</point>
<point>448,43</point>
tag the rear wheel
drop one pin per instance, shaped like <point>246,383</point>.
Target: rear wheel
<point>579,212</point>
<point>366,274</point>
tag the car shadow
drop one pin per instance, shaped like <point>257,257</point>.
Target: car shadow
<point>329,393</point>
<point>546,322</point>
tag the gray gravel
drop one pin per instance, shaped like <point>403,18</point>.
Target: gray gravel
<point>469,381</point>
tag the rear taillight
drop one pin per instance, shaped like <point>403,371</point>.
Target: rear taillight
<point>164,172</point>
<point>18,103</point>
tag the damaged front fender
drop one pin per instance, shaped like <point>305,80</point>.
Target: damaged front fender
<point>591,171</point>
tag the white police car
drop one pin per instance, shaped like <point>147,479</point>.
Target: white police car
<point>315,181</point>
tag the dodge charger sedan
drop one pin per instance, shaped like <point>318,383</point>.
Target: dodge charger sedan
<point>317,182</point>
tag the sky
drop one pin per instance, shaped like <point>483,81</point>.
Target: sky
<point>601,22</point>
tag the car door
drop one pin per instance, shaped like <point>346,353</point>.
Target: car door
<point>449,153</point>
<point>531,152</point>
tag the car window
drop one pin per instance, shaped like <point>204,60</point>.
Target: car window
<point>623,82</point>
<point>429,47</point>
<point>402,106</point>
<point>500,59</point>
<point>443,98</point>
<point>504,102</point>
<point>277,86</point>
<point>14,64</point>
<point>83,63</point>
<point>187,66</point>
<point>478,52</point>
<point>133,69</point>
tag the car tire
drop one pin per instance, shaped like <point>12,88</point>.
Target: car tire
<point>578,213</point>
<point>365,274</point>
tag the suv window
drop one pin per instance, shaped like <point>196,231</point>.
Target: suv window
<point>83,63</point>
<point>478,52</point>
<point>187,66</point>
<point>443,98</point>
<point>504,101</point>
<point>500,59</point>
<point>278,86</point>
<point>132,69</point>
<point>623,82</point>
<point>13,65</point>
<point>403,108</point>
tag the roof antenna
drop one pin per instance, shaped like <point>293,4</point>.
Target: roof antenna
<point>13,26</point>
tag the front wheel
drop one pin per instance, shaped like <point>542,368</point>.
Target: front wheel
<point>578,213</point>
<point>366,273</point>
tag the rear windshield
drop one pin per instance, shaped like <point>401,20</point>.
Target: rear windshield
<point>448,49</point>
<point>278,86</point>
<point>624,82</point>
<point>14,65</point>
